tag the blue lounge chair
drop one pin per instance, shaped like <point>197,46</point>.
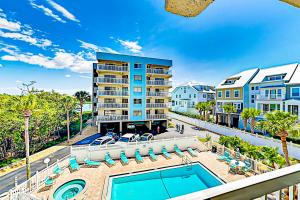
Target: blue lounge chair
<point>237,155</point>
<point>233,168</point>
<point>73,164</point>
<point>165,153</point>
<point>152,155</point>
<point>178,151</point>
<point>91,163</point>
<point>110,162</point>
<point>228,159</point>
<point>247,167</point>
<point>191,152</point>
<point>224,156</point>
<point>138,157</point>
<point>48,182</point>
<point>57,170</point>
<point>124,159</point>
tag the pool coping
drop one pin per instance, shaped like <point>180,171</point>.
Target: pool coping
<point>108,186</point>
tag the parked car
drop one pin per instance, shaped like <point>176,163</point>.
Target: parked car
<point>103,140</point>
<point>127,138</point>
<point>113,135</point>
<point>146,137</point>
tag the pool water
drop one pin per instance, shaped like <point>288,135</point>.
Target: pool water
<point>69,190</point>
<point>163,184</point>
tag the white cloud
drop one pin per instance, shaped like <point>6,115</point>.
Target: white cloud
<point>86,77</point>
<point>63,11</point>
<point>95,48</point>
<point>46,11</point>
<point>1,65</point>
<point>7,24</point>
<point>132,46</point>
<point>67,75</point>
<point>18,81</point>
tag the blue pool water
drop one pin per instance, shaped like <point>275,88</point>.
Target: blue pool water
<point>88,140</point>
<point>69,190</point>
<point>163,184</point>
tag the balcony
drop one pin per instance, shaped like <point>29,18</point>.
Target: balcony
<point>112,93</point>
<point>157,94</point>
<point>270,97</point>
<point>157,116</point>
<point>159,71</point>
<point>112,80</point>
<point>157,105</point>
<point>112,68</point>
<point>159,83</point>
<point>112,105</point>
<point>112,118</point>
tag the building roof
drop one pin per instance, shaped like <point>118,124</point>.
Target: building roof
<point>241,79</point>
<point>197,86</point>
<point>288,70</point>
<point>296,76</point>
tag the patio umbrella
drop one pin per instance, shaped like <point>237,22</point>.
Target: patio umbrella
<point>295,3</point>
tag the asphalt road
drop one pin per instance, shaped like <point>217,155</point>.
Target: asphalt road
<point>8,181</point>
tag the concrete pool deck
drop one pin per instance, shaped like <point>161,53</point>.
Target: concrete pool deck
<point>95,177</point>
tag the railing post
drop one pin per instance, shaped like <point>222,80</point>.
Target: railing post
<point>37,180</point>
<point>298,191</point>
<point>291,193</point>
<point>265,197</point>
<point>278,195</point>
<point>16,181</point>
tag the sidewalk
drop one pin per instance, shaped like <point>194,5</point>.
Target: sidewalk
<point>87,131</point>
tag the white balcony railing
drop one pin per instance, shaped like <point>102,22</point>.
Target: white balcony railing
<point>159,82</point>
<point>112,105</point>
<point>112,80</point>
<point>112,68</point>
<point>159,71</point>
<point>270,97</point>
<point>157,94</point>
<point>157,116</point>
<point>112,93</point>
<point>112,117</point>
<point>156,105</point>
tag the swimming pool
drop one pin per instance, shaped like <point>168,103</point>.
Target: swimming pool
<point>162,184</point>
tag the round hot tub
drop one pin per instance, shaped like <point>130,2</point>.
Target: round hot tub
<point>69,189</point>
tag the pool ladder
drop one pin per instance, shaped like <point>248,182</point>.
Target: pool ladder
<point>187,161</point>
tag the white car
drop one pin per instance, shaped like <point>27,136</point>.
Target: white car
<point>146,137</point>
<point>103,140</point>
<point>127,138</point>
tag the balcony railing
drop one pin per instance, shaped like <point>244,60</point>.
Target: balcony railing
<point>113,68</point>
<point>156,105</point>
<point>112,105</point>
<point>112,80</point>
<point>112,93</point>
<point>157,116</point>
<point>159,82</point>
<point>159,71</point>
<point>157,94</point>
<point>270,97</point>
<point>112,117</point>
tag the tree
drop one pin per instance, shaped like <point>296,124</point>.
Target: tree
<point>69,104</point>
<point>82,97</point>
<point>245,115</point>
<point>228,108</point>
<point>201,107</point>
<point>278,123</point>
<point>253,113</point>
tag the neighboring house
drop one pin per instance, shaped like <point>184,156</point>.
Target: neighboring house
<point>234,90</point>
<point>186,96</point>
<point>276,88</point>
<point>130,93</point>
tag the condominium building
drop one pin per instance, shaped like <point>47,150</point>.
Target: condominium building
<point>186,96</point>
<point>130,93</point>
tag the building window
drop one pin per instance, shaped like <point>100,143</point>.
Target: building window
<point>204,95</point>
<point>184,90</point>
<point>180,96</point>
<point>194,95</point>
<point>256,88</point>
<point>137,89</point>
<point>236,93</point>
<point>295,92</point>
<point>137,66</point>
<point>176,96</point>
<point>176,103</point>
<point>219,94</point>
<point>190,96</point>
<point>137,101</point>
<point>252,88</point>
<point>137,77</point>
<point>227,94</point>
<point>137,113</point>
<point>293,109</point>
<point>252,100</point>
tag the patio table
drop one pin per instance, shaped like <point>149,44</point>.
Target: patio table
<point>238,163</point>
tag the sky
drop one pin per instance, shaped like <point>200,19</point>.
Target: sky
<point>53,42</point>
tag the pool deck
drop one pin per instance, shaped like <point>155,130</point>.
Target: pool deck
<point>95,177</point>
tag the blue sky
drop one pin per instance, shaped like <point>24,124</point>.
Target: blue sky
<point>54,41</point>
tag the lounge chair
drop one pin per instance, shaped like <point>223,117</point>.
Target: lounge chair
<point>178,151</point>
<point>165,153</point>
<point>232,168</point>
<point>73,164</point>
<point>91,163</point>
<point>152,155</point>
<point>237,155</point>
<point>192,152</point>
<point>247,167</point>
<point>224,156</point>
<point>124,159</point>
<point>48,182</point>
<point>138,157</point>
<point>110,162</point>
<point>228,159</point>
<point>57,170</point>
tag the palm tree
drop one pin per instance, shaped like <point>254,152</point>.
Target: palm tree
<point>253,113</point>
<point>278,123</point>
<point>201,107</point>
<point>228,108</point>
<point>245,116</point>
<point>82,97</point>
<point>69,104</point>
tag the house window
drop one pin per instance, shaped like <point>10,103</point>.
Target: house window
<point>137,113</point>
<point>219,94</point>
<point>295,92</point>
<point>137,66</point>
<point>194,95</point>
<point>256,88</point>
<point>190,96</point>
<point>137,101</point>
<point>293,109</point>
<point>176,103</point>
<point>252,100</point>
<point>137,89</point>
<point>204,95</point>
<point>184,91</point>
<point>176,96</point>
<point>252,88</point>
<point>180,96</point>
<point>137,77</point>
<point>227,94</point>
<point>236,93</point>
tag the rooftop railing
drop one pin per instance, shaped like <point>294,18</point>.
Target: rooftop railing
<point>113,68</point>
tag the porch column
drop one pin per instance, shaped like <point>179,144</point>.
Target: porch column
<point>121,127</point>
<point>99,127</point>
